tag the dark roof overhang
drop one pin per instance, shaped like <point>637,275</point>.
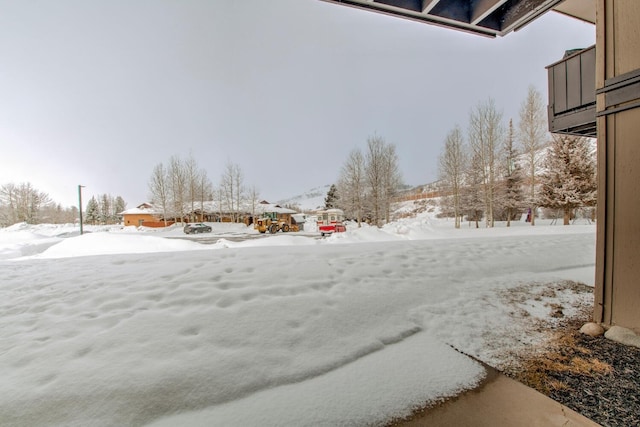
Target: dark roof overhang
<point>489,18</point>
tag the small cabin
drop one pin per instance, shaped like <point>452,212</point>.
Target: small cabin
<point>144,215</point>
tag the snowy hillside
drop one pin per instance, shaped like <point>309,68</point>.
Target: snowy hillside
<point>310,200</point>
<point>314,199</point>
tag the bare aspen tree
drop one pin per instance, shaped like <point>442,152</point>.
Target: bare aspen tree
<point>227,190</point>
<point>232,187</point>
<point>373,159</point>
<point>512,197</point>
<point>9,201</point>
<point>452,164</point>
<point>351,185</point>
<point>192,182</point>
<point>35,200</point>
<point>253,196</point>
<point>204,190</point>
<point>374,172</point>
<point>370,181</point>
<point>52,213</point>
<point>220,196</point>
<point>159,189</point>
<point>532,132</point>
<point>392,180</point>
<point>177,186</point>
<point>472,199</point>
<point>238,177</point>
<point>23,202</point>
<point>485,135</point>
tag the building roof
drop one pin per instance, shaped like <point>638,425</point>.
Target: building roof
<point>142,209</point>
<point>270,207</point>
<point>211,207</point>
<point>485,17</point>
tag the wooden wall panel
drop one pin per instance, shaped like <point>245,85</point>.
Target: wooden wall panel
<point>626,221</point>
<point>617,290</point>
<point>627,36</point>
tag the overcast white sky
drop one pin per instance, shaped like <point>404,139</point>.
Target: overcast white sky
<point>99,92</point>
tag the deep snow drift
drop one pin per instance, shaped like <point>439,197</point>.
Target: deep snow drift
<point>130,327</point>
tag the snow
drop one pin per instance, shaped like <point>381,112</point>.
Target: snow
<point>106,243</point>
<point>128,326</point>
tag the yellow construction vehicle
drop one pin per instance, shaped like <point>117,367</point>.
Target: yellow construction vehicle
<point>273,225</point>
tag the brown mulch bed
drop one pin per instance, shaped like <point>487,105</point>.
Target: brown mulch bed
<point>594,376</point>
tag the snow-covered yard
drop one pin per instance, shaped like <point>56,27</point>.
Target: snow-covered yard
<point>130,327</point>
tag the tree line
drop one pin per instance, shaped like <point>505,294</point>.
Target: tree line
<point>104,209</point>
<point>499,171</point>
<point>181,187</point>
<point>367,183</point>
<point>24,203</point>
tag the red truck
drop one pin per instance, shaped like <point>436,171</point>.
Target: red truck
<point>330,221</point>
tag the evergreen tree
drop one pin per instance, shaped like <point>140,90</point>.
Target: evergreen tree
<point>105,209</point>
<point>92,214</point>
<point>332,197</point>
<point>119,206</point>
<point>569,178</point>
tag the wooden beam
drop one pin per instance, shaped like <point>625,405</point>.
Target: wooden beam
<point>483,8</point>
<point>427,5</point>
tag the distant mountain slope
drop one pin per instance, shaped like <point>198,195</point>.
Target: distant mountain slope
<point>313,199</point>
<point>310,200</point>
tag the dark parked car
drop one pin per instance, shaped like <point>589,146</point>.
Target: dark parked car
<point>197,227</point>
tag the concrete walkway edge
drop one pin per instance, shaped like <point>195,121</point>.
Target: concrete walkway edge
<point>499,402</point>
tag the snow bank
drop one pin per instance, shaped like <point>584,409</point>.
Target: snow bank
<point>108,243</point>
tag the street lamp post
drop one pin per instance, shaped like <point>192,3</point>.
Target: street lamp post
<point>80,205</point>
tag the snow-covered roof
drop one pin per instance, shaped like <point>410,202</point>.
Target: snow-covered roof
<point>262,207</point>
<point>270,207</point>
<point>144,208</point>
<point>212,206</point>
